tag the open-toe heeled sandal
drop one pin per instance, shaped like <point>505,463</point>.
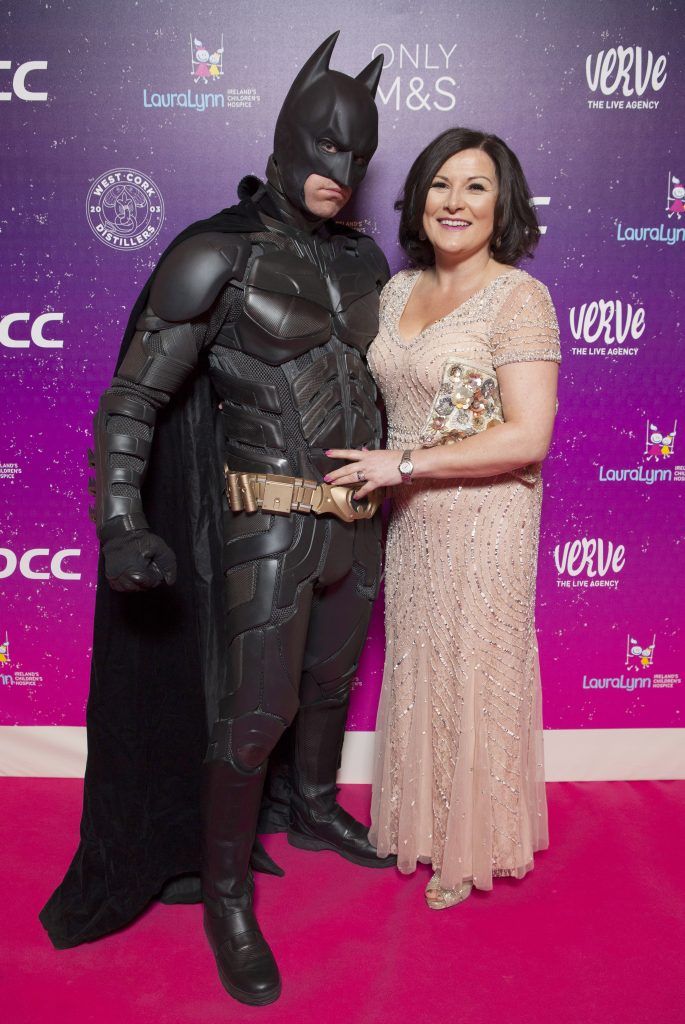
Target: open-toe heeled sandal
<point>438,898</point>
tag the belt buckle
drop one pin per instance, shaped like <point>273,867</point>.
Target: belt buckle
<point>278,497</point>
<point>337,501</point>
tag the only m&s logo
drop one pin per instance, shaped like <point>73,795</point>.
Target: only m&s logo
<point>621,76</point>
<point>672,229</point>
<point>658,466</point>
<point>422,76</point>
<point>205,66</point>
<point>589,562</point>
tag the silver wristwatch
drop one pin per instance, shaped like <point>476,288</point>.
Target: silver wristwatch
<point>406,467</point>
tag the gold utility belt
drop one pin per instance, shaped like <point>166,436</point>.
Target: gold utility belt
<point>262,492</point>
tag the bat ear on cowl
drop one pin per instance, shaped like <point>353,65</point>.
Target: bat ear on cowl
<point>318,63</point>
<point>371,74</point>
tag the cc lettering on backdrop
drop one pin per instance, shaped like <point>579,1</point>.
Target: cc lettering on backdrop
<point>19,86</point>
<point>541,201</point>
<point>35,332</point>
<point>27,568</point>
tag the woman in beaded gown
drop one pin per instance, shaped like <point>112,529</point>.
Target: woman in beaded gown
<point>458,779</point>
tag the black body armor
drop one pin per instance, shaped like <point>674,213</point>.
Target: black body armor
<point>280,319</point>
<point>284,318</point>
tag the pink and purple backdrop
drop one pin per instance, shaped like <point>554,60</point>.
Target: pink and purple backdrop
<point>593,108</point>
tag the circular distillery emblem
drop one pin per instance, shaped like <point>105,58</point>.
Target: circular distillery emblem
<point>125,208</point>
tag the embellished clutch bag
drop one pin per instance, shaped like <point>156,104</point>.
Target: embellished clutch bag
<point>468,401</point>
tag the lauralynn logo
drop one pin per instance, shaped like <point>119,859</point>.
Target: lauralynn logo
<point>659,446</point>
<point>670,233</point>
<point>12,672</point>
<point>675,197</point>
<point>125,209</point>
<point>205,66</point>
<point>638,665</point>
<point>207,72</point>
<point>620,76</point>
<point>657,465</point>
<point>639,656</point>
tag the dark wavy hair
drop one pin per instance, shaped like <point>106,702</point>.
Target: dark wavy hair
<point>516,231</point>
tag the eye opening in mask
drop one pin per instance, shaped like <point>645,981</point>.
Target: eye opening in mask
<point>328,146</point>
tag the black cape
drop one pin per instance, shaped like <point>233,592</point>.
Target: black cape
<point>157,668</point>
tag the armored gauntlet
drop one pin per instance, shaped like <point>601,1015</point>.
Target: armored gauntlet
<point>155,366</point>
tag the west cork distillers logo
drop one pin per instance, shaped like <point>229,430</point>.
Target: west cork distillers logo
<point>606,327</point>
<point>625,78</point>
<point>673,231</point>
<point>638,668</point>
<point>125,209</point>
<point>206,71</point>
<point>658,464</point>
<point>11,672</point>
<point>589,562</point>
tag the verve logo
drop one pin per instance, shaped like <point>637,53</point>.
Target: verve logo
<point>627,69</point>
<point>589,556</point>
<point>606,320</point>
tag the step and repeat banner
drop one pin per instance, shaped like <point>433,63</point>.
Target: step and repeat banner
<point>123,122</point>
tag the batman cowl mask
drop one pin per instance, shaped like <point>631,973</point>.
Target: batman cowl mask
<point>328,125</point>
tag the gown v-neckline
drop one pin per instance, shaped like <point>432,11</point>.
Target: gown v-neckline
<point>408,342</point>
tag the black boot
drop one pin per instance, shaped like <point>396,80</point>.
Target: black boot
<point>317,822</point>
<point>188,888</point>
<point>246,965</point>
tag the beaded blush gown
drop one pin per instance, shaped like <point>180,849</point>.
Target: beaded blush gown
<point>458,778</point>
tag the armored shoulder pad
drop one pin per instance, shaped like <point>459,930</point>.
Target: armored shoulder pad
<point>375,259</point>
<point>191,277</point>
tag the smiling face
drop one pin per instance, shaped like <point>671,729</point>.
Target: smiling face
<point>459,213</point>
<point>323,197</point>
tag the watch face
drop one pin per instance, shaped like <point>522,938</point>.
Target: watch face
<point>406,466</point>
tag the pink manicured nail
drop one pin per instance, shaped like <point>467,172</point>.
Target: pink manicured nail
<point>327,478</point>
<point>328,452</point>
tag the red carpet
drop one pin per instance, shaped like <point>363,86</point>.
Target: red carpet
<point>595,935</point>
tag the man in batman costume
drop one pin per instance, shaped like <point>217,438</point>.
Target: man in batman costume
<point>277,304</point>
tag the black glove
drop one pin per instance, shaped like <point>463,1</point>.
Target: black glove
<point>138,560</point>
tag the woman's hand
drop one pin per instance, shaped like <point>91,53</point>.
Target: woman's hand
<point>369,470</point>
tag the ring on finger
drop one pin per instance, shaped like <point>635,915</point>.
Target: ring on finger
<point>360,476</point>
